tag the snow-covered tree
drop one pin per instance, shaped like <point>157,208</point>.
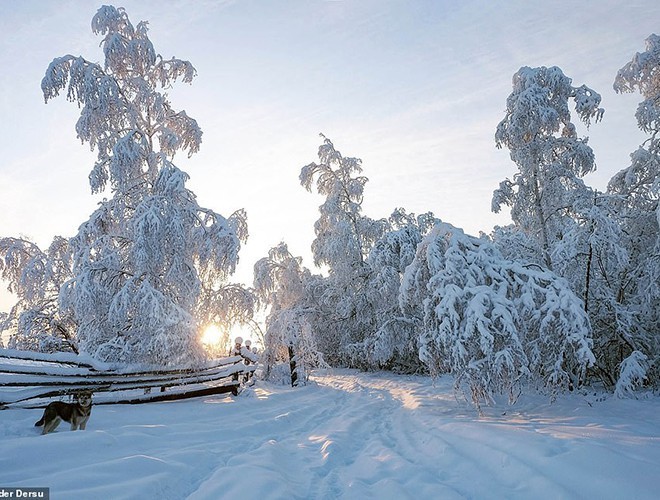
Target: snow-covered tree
<point>550,157</point>
<point>492,322</point>
<point>283,283</point>
<point>344,238</point>
<point>591,256</point>
<point>150,264</point>
<point>35,277</point>
<point>394,344</point>
<point>636,191</point>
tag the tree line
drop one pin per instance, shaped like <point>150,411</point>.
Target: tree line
<point>566,294</point>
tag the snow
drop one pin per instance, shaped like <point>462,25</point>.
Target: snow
<point>346,435</point>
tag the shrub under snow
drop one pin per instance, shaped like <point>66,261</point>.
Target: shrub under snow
<point>492,322</point>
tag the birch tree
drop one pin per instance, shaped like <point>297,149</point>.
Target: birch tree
<point>344,238</point>
<point>149,252</point>
<point>551,159</point>
<point>636,190</point>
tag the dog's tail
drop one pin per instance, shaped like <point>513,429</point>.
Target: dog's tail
<point>40,421</point>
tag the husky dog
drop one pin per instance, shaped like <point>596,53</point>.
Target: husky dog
<point>76,413</point>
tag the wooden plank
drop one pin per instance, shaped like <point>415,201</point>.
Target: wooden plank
<point>174,396</point>
<point>28,394</point>
<point>55,369</point>
<point>43,376</point>
<point>62,358</point>
<point>25,379</point>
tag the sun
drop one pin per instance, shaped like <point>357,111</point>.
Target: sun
<point>216,339</point>
<point>212,336</point>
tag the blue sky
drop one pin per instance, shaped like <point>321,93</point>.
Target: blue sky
<point>414,88</point>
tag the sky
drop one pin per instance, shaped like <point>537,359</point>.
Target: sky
<point>413,88</point>
<point>349,435</point>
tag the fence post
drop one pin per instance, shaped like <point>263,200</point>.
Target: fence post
<point>292,365</point>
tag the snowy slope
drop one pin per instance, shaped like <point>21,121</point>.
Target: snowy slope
<point>352,435</point>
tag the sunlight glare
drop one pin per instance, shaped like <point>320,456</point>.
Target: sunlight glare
<point>212,335</point>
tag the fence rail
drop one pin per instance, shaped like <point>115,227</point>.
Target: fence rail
<point>32,380</point>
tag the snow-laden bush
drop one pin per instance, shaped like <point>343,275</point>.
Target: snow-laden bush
<point>393,344</point>
<point>491,322</point>
<point>633,374</point>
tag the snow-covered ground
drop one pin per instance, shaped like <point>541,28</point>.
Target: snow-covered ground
<point>350,435</point>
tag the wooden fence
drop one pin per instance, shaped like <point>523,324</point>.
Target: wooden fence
<point>32,380</point>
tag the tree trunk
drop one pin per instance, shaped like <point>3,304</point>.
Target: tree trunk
<point>292,364</point>
<point>587,279</point>
<point>541,217</point>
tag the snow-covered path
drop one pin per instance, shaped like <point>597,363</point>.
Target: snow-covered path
<point>351,436</point>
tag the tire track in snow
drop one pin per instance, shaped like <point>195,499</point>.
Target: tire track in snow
<point>281,457</point>
<point>384,449</point>
<point>437,456</point>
